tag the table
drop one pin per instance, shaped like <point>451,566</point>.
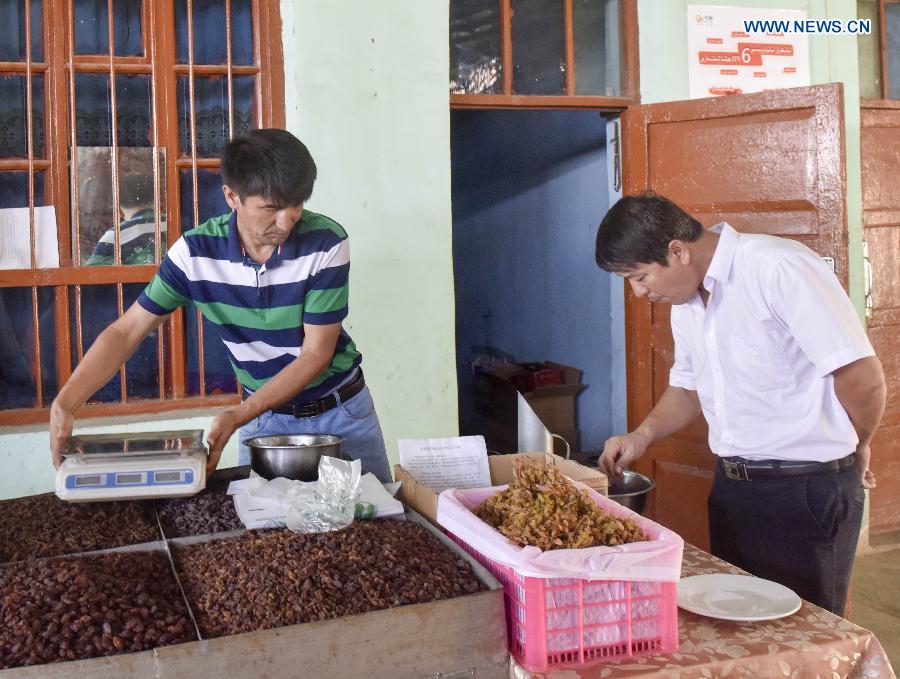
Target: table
<point>811,643</point>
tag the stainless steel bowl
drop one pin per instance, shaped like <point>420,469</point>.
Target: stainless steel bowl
<point>630,490</point>
<point>293,456</point>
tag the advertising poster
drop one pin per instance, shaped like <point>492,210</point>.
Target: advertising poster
<point>724,58</point>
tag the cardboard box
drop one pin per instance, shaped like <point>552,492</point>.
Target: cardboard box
<point>495,412</point>
<point>424,500</point>
<point>537,375</point>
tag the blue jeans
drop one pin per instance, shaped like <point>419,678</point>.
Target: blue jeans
<point>354,420</point>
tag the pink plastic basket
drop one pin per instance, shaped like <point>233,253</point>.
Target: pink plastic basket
<point>567,622</point>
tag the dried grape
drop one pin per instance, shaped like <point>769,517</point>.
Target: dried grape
<point>543,509</point>
<point>260,580</point>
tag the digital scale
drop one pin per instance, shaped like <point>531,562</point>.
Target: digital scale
<point>99,467</point>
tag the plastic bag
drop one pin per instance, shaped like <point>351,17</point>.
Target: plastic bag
<point>329,503</point>
<point>305,507</point>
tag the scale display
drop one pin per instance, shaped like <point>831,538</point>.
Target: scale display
<point>130,479</point>
<point>132,466</point>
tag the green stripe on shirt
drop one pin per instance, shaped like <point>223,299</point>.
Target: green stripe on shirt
<point>323,301</point>
<point>163,294</point>
<point>266,318</point>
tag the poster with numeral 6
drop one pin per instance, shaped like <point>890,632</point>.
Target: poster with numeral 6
<point>735,50</point>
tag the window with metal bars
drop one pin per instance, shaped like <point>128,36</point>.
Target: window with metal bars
<point>112,115</point>
<point>543,54</point>
<point>879,51</point>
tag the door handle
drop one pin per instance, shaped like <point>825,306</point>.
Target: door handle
<point>617,159</point>
<point>868,280</point>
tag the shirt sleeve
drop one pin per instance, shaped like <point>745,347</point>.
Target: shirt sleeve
<point>682,372</point>
<point>809,299</point>
<point>328,292</point>
<point>169,288</point>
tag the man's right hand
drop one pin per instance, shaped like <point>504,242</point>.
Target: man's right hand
<point>620,451</point>
<point>61,423</point>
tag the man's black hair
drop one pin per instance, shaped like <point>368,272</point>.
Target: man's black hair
<point>638,230</point>
<point>270,163</point>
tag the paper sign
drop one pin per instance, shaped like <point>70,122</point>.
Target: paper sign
<point>15,238</point>
<point>723,58</point>
<point>447,463</point>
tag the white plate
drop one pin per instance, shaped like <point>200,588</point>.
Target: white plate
<point>736,597</point>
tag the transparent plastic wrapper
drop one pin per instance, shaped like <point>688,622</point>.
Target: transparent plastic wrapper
<point>332,503</point>
<point>305,507</point>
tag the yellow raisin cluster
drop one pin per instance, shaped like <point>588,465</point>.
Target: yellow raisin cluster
<point>542,508</point>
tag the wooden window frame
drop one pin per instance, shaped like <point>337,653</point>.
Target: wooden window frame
<point>885,101</point>
<point>629,69</point>
<point>159,62</point>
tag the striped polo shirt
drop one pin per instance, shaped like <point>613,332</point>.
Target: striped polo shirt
<point>259,309</point>
<point>137,242</point>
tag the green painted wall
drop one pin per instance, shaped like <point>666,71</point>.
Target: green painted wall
<point>833,58</point>
<point>366,90</point>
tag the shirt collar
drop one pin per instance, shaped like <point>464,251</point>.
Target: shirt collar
<point>723,258</point>
<point>235,249</point>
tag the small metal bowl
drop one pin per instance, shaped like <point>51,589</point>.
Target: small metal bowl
<point>292,456</point>
<point>630,490</point>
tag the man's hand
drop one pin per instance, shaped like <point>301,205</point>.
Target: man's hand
<point>861,388</point>
<point>866,477</point>
<point>620,451</point>
<point>676,409</point>
<point>221,430</point>
<point>107,354</point>
<point>61,423</point>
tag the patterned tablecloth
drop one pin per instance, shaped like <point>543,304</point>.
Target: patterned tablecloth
<point>812,643</point>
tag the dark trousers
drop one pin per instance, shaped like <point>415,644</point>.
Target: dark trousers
<point>800,531</point>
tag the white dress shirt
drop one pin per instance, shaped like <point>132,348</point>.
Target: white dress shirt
<point>761,353</point>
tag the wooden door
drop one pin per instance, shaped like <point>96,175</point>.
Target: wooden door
<point>772,163</point>
<point>880,147</point>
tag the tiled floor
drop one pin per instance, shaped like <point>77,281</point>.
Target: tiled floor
<point>875,599</point>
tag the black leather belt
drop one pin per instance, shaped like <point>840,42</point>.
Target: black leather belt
<point>324,404</point>
<point>739,469</point>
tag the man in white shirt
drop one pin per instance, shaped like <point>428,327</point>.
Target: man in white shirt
<point>769,348</point>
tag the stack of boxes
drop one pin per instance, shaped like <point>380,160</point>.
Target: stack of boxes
<point>550,389</point>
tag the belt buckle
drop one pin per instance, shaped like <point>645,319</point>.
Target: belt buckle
<point>736,471</point>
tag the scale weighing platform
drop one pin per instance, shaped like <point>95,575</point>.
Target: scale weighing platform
<point>135,466</point>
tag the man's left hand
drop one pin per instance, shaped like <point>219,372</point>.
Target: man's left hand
<point>221,430</point>
<point>863,456</point>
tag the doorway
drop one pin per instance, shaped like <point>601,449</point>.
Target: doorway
<point>529,188</point>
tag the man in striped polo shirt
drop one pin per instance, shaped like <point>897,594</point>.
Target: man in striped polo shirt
<point>137,230</point>
<point>273,278</point>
